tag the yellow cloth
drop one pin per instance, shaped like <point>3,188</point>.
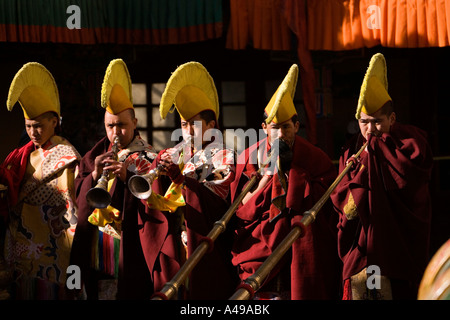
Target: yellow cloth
<point>101,217</point>
<point>172,199</point>
<point>107,219</point>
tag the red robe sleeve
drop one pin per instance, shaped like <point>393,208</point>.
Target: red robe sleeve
<point>12,171</point>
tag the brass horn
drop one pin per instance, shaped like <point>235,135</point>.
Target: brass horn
<point>99,197</point>
<point>141,185</point>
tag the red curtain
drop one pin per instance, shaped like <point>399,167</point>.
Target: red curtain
<point>351,24</point>
<point>269,25</point>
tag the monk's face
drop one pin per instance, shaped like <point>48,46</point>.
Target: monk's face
<point>196,127</point>
<point>121,125</point>
<point>41,129</point>
<point>375,124</point>
<point>286,131</point>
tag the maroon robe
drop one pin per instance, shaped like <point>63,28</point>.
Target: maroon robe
<point>390,190</point>
<point>142,269</point>
<point>214,277</point>
<point>12,171</point>
<point>312,262</point>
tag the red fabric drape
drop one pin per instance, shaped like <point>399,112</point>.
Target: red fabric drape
<point>268,25</point>
<point>259,23</point>
<point>39,34</point>
<point>294,12</point>
<point>351,24</point>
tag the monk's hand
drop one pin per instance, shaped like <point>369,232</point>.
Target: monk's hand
<point>99,164</point>
<point>119,169</point>
<point>267,171</point>
<point>355,160</point>
<point>170,168</point>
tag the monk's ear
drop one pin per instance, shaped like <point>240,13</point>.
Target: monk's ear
<point>264,127</point>
<point>392,118</point>
<point>296,126</point>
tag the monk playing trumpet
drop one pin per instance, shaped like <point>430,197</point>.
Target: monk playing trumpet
<point>310,270</point>
<point>107,244</point>
<point>384,202</point>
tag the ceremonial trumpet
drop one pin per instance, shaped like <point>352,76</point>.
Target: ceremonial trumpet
<point>99,197</point>
<point>141,185</point>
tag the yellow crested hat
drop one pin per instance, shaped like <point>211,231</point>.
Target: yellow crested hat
<point>192,90</point>
<point>281,106</point>
<point>116,88</point>
<point>35,89</point>
<point>373,94</point>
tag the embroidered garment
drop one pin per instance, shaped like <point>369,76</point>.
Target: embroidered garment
<point>43,221</point>
<point>212,166</point>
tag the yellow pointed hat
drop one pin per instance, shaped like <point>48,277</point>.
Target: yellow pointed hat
<point>374,89</point>
<point>35,89</point>
<point>192,90</point>
<point>281,106</point>
<point>116,93</point>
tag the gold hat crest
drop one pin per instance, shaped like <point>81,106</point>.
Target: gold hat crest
<point>116,93</point>
<point>35,89</point>
<point>191,90</point>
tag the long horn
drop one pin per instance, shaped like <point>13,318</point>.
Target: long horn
<point>253,283</point>
<point>171,287</point>
<point>98,196</point>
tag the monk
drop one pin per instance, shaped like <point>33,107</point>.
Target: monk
<point>310,270</point>
<point>384,202</point>
<point>42,214</point>
<point>200,177</point>
<point>108,239</point>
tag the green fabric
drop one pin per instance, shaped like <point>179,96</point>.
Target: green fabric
<point>122,14</point>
